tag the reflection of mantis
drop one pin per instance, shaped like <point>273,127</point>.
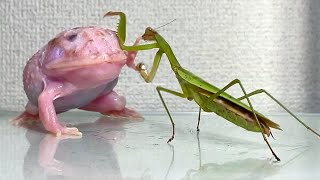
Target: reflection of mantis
<point>238,169</point>
<point>207,96</point>
<point>242,169</point>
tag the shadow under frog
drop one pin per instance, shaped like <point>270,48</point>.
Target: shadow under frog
<point>68,157</point>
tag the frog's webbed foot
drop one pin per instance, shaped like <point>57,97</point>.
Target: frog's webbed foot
<point>73,131</point>
<point>124,113</point>
<point>24,118</point>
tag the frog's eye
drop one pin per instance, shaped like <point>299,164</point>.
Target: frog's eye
<point>72,37</point>
<point>55,53</point>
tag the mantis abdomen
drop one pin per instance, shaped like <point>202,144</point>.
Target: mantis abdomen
<point>236,114</point>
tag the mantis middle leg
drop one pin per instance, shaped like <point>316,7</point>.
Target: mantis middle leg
<point>182,95</point>
<point>280,104</point>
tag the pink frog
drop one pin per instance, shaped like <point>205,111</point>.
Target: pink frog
<point>77,69</point>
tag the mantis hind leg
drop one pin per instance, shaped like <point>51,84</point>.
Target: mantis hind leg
<point>237,81</point>
<point>199,119</point>
<point>280,104</point>
<point>182,95</point>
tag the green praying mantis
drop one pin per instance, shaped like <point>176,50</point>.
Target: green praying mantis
<point>209,97</point>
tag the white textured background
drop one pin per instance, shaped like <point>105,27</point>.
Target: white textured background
<point>267,44</point>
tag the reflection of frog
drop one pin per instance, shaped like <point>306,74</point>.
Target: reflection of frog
<point>77,69</point>
<point>91,157</point>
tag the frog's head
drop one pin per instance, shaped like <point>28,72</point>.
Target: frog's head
<point>79,48</point>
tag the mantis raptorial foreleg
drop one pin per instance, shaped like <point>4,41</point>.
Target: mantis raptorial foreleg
<point>278,102</point>
<point>182,95</point>
<point>121,32</point>
<point>237,81</point>
<point>148,76</point>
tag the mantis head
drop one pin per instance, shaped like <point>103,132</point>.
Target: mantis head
<point>149,34</point>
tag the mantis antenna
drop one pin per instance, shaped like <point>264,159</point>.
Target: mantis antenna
<point>165,24</point>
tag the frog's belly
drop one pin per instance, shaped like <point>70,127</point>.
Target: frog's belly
<point>83,97</point>
<point>74,100</point>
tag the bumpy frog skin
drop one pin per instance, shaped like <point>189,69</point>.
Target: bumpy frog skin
<point>77,69</point>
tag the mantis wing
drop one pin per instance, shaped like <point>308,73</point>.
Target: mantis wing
<point>197,81</point>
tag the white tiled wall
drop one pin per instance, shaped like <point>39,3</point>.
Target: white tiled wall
<point>267,44</point>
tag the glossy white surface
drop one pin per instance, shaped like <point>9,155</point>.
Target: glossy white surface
<point>121,149</point>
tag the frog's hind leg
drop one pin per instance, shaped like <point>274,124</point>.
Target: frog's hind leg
<point>112,104</point>
<point>47,112</point>
<point>30,115</point>
<point>23,118</point>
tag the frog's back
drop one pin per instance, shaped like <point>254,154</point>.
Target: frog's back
<point>33,78</point>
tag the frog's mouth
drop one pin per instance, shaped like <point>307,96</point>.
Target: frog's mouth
<point>64,64</point>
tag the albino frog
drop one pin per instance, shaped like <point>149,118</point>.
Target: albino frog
<point>77,69</point>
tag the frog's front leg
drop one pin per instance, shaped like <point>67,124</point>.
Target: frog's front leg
<point>112,104</point>
<point>47,112</point>
<point>132,54</point>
